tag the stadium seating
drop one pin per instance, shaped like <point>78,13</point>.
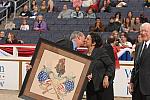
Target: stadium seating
<point>61,28</point>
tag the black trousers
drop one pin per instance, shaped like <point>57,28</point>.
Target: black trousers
<point>137,94</point>
<point>108,93</point>
<point>102,94</point>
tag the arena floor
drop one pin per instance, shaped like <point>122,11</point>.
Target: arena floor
<point>13,95</point>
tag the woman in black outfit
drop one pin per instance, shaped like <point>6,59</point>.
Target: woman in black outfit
<point>102,74</point>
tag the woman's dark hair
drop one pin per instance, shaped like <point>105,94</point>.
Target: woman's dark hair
<point>96,38</point>
<point>125,22</point>
<point>135,20</point>
<point>118,13</point>
<point>124,34</point>
<point>100,25</point>
<point>12,34</point>
<point>128,14</point>
<point>32,4</point>
<point>136,40</point>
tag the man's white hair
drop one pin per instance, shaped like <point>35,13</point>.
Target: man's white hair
<point>75,34</point>
<point>145,24</point>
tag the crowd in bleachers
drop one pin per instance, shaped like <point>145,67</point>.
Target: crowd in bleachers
<point>54,20</point>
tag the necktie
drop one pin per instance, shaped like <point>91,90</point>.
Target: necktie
<point>144,50</point>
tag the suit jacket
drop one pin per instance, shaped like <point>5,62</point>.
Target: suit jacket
<point>65,43</point>
<point>141,71</point>
<point>102,65</point>
<point>110,53</point>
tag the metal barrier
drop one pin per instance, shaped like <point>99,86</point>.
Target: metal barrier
<point>17,5</point>
<point>3,14</point>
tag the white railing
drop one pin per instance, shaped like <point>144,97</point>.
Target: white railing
<point>15,48</point>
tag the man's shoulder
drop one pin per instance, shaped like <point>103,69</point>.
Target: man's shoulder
<point>65,43</point>
<point>138,45</point>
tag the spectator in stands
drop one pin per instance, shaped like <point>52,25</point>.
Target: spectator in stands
<point>115,34</point>
<point>11,39</point>
<point>43,7</point>
<point>130,39</point>
<point>35,11</point>
<point>10,25</point>
<point>2,37</point>
<point>40,24</point>
<point>77,13</point>
<point>99,27</point>
<point>124,42</point>
<point>106,6</point>
<point>112,25</point>
<point>65,13</point>
<point>143,19</point>
<point>137,41</point>
<point>25,13</point>
<point>100,3</point>
<point>24,25</point>
<point>130,16</point>
<point>50,5</point>
<point>147,3</point>
<point>94,6</point>
<point>121,3</point>
<point>118,17</point>
<point>125,27</point>
<point>90,14</point>
<point>33,4</point>
<point>136,26</point>
<point>77,3</point>
<point>87,3</point>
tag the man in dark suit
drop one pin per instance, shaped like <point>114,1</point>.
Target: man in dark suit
<point>109,92</point>
<point>76,40</point>
<point>139,85</point>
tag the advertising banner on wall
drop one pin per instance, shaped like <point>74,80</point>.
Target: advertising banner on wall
<point>122,78</point>
<point>9,75</point>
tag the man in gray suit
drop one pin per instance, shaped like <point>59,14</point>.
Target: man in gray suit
<point>139,85</point>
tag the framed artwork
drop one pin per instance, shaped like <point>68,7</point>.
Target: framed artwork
<point>57,73</point>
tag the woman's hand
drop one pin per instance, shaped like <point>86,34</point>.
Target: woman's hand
<point>28,66</point>
<point>130,88</point>
<point>89,77</point>
<point>105,82</point>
